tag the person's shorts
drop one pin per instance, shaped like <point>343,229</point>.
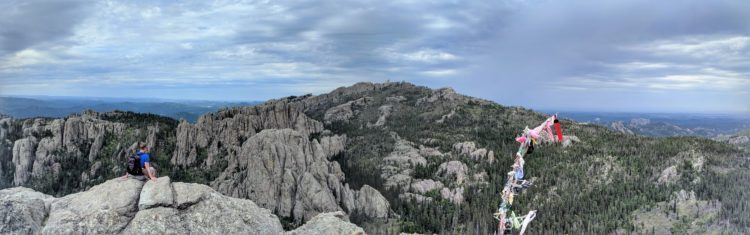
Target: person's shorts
<point>138,177</point>
<point>143,177</point>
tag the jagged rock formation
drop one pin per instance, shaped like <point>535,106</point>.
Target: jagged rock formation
<point>221,134</point>
<point>455,195</point>
<point>424,186</point>
<point>449,97</point>
<point>284,171</point>
<point>271,158</point>
<point>454,170</point>
<point>39,149</point>
<point>668,175</point>
<point>117,207</point>
<point>385,111</point>
<point>469,148</point>
<point>221,149</point>
<point>345,111</point>
<point>399,164</point>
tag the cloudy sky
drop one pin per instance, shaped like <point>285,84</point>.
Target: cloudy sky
<point>649,56</point>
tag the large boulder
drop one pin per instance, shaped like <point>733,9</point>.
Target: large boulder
<point>328,223</point>
<point>111,208</point>
<point>24,210</point>
<point>156,193</point>
<point>207,213</point>
<point>104,209</point>
<point>371,203</point>
<point>187,194</point>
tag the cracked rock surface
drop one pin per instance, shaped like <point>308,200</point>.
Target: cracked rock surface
<point>129,206</point>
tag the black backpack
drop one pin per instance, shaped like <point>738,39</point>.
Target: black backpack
<point>134,165</point>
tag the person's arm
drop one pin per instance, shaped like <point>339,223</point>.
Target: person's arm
<point>124,177</point>
<point>149,173</point>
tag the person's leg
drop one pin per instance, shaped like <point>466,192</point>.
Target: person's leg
<point>153,172</point>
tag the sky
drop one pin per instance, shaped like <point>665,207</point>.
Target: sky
<point>629,56</point>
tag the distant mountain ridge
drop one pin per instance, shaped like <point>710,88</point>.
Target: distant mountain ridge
<point>57,107</point>
<point>666,124</point>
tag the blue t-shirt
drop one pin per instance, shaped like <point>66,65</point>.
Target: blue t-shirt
<point>144,158</point>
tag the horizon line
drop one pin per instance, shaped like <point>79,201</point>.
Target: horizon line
<point>542,110</point>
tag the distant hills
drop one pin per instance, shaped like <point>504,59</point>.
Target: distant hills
<point>663,125</point>
<point>648,124</point>
<point>56,107</point>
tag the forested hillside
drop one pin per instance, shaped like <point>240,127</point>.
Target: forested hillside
<point>592,186</point>
<point>437,157</point>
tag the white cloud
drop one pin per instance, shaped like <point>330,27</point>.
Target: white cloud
<point>716,81</point>
<point>714,47</point>
<point>439,22</point>
<point>186,45</point>
<point>686,63</point>
<point>26,57</point>
<point>428,56</point>
<point>631,66</point>
<point>440,72</point>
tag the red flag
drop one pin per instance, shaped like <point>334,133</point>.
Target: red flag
<point>558,129</point>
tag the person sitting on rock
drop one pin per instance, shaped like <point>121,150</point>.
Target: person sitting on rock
<point>139,165</point>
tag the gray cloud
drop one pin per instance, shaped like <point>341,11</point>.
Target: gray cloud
<point>563,50</point>
<point>531,53</point>
<point>27,23</point>
<point>364,36</point>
